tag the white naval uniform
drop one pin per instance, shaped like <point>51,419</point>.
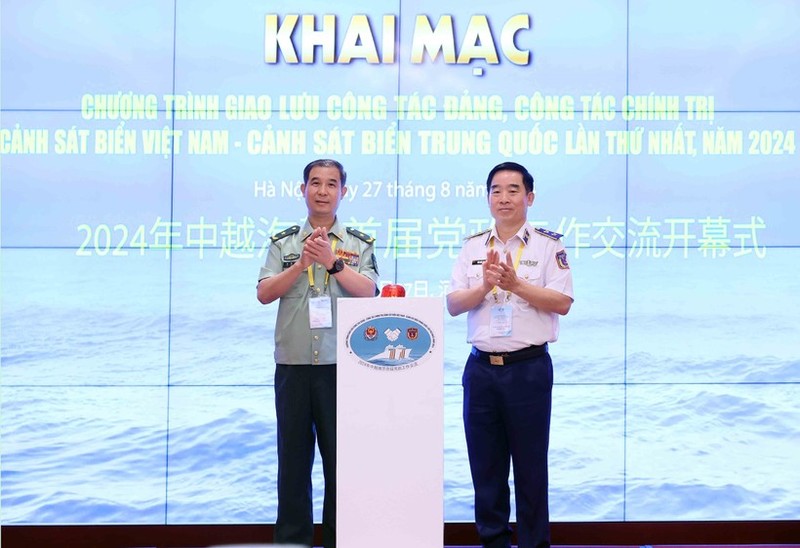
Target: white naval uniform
<point>543,263</point>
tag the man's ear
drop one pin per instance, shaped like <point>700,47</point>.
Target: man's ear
<point>344,191</point>
<point>531,197</point>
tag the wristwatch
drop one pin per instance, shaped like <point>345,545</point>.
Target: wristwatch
<point>338,266</point>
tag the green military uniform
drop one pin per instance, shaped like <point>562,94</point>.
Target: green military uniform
<point>295,342</point>
<point>305,379</point>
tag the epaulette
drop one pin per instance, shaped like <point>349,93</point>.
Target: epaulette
<point>288,232</point>
<point>366,238</point>
<point>549,233</point>
<point>481,233</point>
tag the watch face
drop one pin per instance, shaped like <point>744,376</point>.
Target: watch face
<point>338,266</point>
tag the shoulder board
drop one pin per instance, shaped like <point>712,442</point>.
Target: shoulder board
<point>550,234</point>
<point>366,238</point>
<point>481,233</point>
<point>288,232</point>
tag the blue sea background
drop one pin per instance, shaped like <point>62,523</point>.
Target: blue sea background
<point>127,399</point>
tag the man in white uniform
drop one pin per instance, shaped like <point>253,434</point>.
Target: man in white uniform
<point>513,281</point>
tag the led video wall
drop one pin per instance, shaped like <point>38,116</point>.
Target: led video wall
<point>151,148</point>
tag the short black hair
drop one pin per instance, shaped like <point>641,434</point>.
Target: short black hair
<point>325,162</point>
<point>527,178</point>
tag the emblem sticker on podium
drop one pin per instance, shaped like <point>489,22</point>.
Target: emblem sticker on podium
<point>390,342</point>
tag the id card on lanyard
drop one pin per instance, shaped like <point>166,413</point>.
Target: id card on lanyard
<point>500,324</point>
<point>320,312</point>
<point>320,306</point>
<point>501,321</point>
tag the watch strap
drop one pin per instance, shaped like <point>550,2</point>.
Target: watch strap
<point>338,266</point>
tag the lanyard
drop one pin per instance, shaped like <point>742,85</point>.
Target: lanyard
<point>327,276</point>
<point>516,266</point>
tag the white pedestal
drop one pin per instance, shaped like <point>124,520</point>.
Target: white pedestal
<point>390,423</point>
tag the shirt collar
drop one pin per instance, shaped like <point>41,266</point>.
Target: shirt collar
<point>524,234</point>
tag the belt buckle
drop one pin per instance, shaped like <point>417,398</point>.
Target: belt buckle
<point>496,360</point>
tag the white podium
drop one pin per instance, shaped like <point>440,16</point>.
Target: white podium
<point>390,423</point>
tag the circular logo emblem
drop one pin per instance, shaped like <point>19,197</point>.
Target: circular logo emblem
<point>390,342</point>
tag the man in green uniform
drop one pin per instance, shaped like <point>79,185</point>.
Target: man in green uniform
<point>308,268</point>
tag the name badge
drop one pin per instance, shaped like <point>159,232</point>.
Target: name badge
<point>500,324</point>
<point>320,312</point>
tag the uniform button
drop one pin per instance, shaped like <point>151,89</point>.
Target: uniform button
<point>316,337</point>
<point>316,352</point>
<point>316,360</point>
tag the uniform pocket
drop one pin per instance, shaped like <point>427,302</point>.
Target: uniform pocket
<point>475,276</point>
<point>531,274</point>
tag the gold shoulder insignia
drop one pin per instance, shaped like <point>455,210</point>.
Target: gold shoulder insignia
<point>549,233</point>
<point>288,232</point>
<point>481,233</point>
<point>366,238</point>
